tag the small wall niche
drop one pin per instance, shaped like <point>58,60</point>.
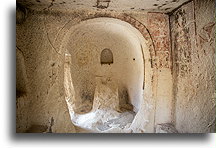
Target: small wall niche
<point>21,77</point>
<point>106,56</point>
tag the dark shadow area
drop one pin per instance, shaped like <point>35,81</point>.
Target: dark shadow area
<point>39,137</point>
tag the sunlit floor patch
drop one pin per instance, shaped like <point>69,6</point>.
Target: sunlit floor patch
<point>104,121</point>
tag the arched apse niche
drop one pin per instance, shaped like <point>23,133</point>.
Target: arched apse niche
<point>106,56</point>
<point>84,44</point>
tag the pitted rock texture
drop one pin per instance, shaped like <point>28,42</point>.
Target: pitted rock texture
<point>193,40</point>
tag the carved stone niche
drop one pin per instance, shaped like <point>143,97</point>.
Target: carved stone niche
<point>106,56</point>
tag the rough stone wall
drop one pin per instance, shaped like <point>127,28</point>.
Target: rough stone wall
<point>22,101</point>
<point>158,25</point>
<point>47,107</point>
<point>193,47</point>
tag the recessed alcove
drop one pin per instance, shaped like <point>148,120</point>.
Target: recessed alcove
<point>100,56</point>
<point>106,56</point>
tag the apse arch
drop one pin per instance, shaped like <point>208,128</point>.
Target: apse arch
<point>84,46</point>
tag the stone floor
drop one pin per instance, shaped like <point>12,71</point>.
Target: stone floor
<point>103,121</point>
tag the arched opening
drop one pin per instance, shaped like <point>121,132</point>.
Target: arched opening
<point>107,72</point>
<point>106,56</point>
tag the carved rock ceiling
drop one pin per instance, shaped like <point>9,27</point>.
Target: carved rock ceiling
<point>113,5</point>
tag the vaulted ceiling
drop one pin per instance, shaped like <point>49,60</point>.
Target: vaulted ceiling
<point>116,5</point>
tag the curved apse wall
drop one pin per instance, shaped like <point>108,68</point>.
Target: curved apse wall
<point>85,44</point>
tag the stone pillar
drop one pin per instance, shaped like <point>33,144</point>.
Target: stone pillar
<point>106,94</point>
